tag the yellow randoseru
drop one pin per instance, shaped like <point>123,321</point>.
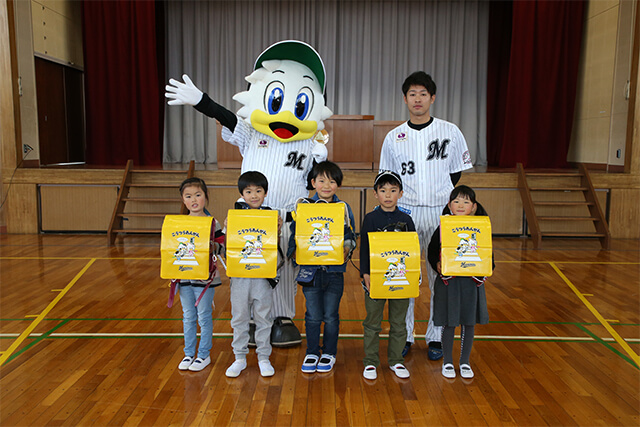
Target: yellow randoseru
<point>395,264</point>
<point>185,247</point>
<point>466,245</point>
<point>252,243</point>
<point>320,233</point>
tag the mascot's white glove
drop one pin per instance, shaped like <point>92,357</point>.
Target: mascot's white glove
<point>319,152</point>
<point>183,93</point>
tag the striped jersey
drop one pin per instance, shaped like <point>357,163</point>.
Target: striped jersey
<point>424,159</point>
<point>284,164</point>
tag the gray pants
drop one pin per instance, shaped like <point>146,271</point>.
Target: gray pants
<point>248,294</point>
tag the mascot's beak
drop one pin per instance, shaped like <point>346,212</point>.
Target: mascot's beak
<point>283,130</point>
<point>284,126</point>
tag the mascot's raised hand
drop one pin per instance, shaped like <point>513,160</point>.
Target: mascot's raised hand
<point>183,93</point>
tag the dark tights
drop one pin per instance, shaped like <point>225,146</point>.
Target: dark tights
<point>467,334</point>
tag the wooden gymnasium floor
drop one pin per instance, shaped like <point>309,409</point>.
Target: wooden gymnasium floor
<point>87,339</point>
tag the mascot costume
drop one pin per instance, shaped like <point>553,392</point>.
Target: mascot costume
<point>282,110</point>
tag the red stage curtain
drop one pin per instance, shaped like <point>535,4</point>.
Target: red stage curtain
<point>123,83</point>
<point>534,50</point>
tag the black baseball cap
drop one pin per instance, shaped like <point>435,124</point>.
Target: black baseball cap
<point>390,175</point>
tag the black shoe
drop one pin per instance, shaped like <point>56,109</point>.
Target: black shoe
<point>284,333</point>
<point>406,348</point>
<point>435,351</point>
<point>252,333</point>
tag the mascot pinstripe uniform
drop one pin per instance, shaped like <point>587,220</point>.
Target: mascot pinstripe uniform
<point>282,111</point>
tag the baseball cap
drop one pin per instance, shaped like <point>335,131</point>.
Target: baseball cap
<point>295,50</point>
<point>390,176</point>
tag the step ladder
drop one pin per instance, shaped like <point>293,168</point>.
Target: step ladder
<point>145,197</point>
<point>562,204</point>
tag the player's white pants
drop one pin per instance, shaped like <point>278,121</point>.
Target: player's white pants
<point>284,295</point>
<point>426,219</point>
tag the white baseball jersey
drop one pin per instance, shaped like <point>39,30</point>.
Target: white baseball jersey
<point>284,164</point>
<point>425,159</point>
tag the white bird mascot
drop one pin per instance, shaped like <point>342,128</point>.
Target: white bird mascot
<point>282,111</point>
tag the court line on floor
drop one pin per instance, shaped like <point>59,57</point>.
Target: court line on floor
<point>71,335</point>
<point>598,316</point>
<point>7,353</point>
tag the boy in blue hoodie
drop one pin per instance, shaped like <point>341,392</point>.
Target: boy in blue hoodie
<point>323,285</point>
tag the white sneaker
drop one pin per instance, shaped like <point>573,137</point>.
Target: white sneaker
<point>236,367</point>
<point>448,371</point>
<point>199,364</point>
<point>186,362</point>
<point>466,371</point>
<point>310,363</point>
<point>266,370</point>
<point>400,370</point>
<point>326,363</point>
<point>370,372</point>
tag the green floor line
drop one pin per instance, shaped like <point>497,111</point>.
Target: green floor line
<point>606,344</point>
<point>36,340</point>
<point>178,335</point>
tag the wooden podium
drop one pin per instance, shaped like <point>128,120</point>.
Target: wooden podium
<point>350,141</point>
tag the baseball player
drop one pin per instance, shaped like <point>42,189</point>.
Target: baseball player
<point>430,155</point>
<point>282,111</point>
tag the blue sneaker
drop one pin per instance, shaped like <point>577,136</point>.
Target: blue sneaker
<point>326,363</point>
<point>310,363</point>
<point>406,348</point>
<point>435,351</point>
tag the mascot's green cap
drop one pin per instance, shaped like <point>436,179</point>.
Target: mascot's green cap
<point>297,51</point>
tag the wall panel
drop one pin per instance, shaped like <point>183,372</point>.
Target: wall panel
<point>76,208</point>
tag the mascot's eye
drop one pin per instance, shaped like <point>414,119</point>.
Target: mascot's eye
<point>273,97</point>
<point>304,102</point>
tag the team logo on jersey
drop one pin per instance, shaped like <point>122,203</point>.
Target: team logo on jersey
<point>295,159</point>
<point>438,150</point>
<point>466,158</point>
<point>401,137</point>
<point>263,143</point>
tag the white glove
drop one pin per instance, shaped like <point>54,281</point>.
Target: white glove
<point>183,93</point>
<point>319,152</point>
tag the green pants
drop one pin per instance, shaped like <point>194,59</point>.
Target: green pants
<point>372,328</point>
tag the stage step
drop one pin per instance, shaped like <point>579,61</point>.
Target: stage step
<point>138,230</point>
<point>558,188</point>
<point>584,189</point>
<point>554,174</point>
<point>154,185</point>
<point>146,214</point>
<point>568,234</point>
<point>568,218</point>
<point>549,203</point>
<point>151,199</point>
<point>130,175</point>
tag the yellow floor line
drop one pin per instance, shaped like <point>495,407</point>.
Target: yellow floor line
<point>41,316</point>
<point>598,316</point>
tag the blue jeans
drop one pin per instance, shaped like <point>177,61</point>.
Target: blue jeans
<point>192,316</point>
<point>323,304</point>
